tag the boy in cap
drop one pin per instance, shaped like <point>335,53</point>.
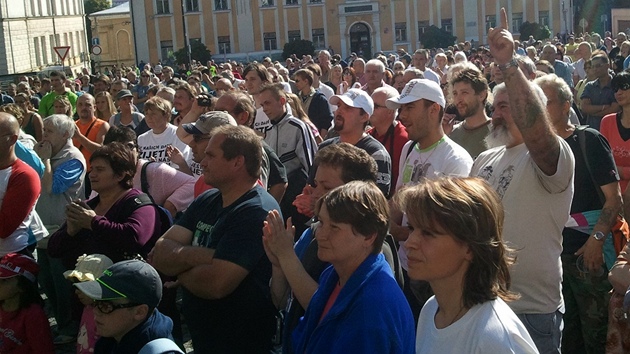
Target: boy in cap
<point>125,301</point>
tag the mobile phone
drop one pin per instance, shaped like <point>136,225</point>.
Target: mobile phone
<point>67,196</point>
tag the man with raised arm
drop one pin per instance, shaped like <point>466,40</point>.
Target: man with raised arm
<point>532,170</point>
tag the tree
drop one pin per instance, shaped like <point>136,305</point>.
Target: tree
<point>535,29</point>
<point>434,37</point>
<point>299,48</point>
<point>92,6</point>
<point>198,51</point>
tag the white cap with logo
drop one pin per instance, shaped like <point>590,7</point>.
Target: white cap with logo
<point>418,89</point>
<point>356,98</point>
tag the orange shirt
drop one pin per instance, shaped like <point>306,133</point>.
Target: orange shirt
<point>94,125</point>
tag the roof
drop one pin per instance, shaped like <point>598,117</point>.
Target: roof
<point>116,10</point>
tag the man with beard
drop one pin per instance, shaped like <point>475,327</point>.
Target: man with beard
<point>429,154</point>
<point>470,92</point>
<point>354,109</point>
<point>185,95</point>
<point>57,82</point>
<point>531,168</point>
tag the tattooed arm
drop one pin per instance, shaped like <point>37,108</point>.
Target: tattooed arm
<point>528,112</point>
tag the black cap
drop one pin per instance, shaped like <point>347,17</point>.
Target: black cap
<point>123,94</point>
<point>135,280</point>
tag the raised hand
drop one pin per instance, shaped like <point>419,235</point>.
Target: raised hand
<point>501,41</point>
<point>277,239</point>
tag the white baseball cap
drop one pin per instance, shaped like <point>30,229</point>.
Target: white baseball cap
<point>418,89</point>
<point>356,98</point>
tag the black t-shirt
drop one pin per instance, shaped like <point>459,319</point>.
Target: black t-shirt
<point>244,321</point>
<point>585,195</point>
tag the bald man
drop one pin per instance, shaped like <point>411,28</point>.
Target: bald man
<point>19,190</point>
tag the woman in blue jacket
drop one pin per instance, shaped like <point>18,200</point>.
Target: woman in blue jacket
<point>358,307</point>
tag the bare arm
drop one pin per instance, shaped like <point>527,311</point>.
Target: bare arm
<point>90,145</point>
<point>173,253</point>
<point>277,191</point>
<point>528,112</point>
<point>592,249</point>
<point>191,117</point>
<point>213,281</point>
<point>599,110</point>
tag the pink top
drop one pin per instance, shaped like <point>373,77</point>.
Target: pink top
<point>620,148</point>
<point>87,337</point>
<point>166,183</point>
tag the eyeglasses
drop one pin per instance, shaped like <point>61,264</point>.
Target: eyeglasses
<point>622,86</point>
<point>145,75</point>
<point>379,106</point>
<point>132,146</point>
<point>200,138</point>
<point>597,66</point>
<point>106,307</point>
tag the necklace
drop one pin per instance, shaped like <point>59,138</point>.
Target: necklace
<point>456,315</point>
<point>432,148</point>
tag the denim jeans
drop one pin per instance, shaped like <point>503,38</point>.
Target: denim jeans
<point>545,329</point>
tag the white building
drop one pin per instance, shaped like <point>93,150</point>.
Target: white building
<point>30,29</point>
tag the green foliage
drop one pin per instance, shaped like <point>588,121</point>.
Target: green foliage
<point>92,6</point>
<point>534,29</point>
<point>299,48</point>
<point>198,51</point>
<point>434,37</point>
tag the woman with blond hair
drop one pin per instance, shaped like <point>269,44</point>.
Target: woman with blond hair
<point>105,107</point>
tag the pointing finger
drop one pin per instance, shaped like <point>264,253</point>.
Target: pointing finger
<point>504,21</point>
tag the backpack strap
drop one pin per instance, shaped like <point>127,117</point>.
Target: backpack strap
<point>144,183</point>
<point>413,145</point>
<point>136,202</point>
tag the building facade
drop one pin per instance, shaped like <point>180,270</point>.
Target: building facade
<point>249,29</point>
<point>112,40</point>
<point>30,29</point>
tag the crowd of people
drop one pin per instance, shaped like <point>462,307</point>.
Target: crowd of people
<point>446,200</point>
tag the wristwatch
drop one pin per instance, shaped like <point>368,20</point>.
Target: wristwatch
<point>599,236</point>
<point>509,64</point>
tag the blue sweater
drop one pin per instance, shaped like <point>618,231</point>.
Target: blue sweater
<point>370,315</point>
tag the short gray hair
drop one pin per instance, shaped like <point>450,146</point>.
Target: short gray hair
<point>558,85</point>
<point>376,62</point>
<point>62,123</point>
<point>500,88</point>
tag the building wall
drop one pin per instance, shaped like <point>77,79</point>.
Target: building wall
<point>30,29</point>
<point>247,27</point>
<point>115,35</point>
<point>620,21</point>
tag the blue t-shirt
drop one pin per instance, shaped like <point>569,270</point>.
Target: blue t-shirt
<point>243,321</point>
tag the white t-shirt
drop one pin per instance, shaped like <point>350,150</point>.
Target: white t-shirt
<point>153,145</point>
<point>536,210</point>
<point>445,158</point>
<point>488,328</point>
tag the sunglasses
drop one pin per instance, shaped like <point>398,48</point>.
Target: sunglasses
<point>622,86</point>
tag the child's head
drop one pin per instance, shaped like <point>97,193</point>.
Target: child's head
<point>88,268</point>
<point>124,296</point>
<point>18,281</point>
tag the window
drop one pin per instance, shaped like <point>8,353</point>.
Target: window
<point>447,25</point>
<point>292,2</point>
<point>517,21</point>
<point>267,3</point>
<point>423,26</point>
<point>270,40</point>
<point>491,22</point>
<point>543,18</point>
<point>166,48</point>
<point>38,56</point>
<point>162,7</point>
<point>221,5</point>
<point>192,5</point>
<point>294,36</point>
<point>401,31</point>
<point>316,1</point>
<point>318,38</point>
<point>224,45</point>
<point>42,40</point>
